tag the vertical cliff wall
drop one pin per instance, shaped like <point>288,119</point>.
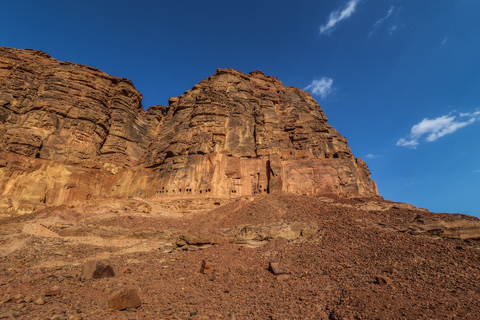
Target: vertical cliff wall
<point>70,132</point>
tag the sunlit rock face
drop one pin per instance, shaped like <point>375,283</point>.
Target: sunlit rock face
<point>70,132</point>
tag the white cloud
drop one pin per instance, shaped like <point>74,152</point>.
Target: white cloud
<point>470,114</point>
<point>432,129</point>
<point>371,156</point>
<point>407,143</point>
<point>392,29</point>
<point>322,87</point>
<point>382,20</point>
<point>336,16</point>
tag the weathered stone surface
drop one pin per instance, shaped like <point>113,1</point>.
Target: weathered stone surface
<point>72,133</point>
<point>455,229</point>
<point>235,134</point>
<point>125,298</point>
<point>66,112</point>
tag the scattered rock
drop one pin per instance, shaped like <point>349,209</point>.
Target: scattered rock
<point>277,269</point>
<point>53,291</point>
<point>39,301</point>
<point>383,280</point>
<point>282,277</point>
<point>125,298</point>
<point>207,267</point>
<point>126,270</point>
<point>94,269</point>
<point>28,299</point>
<point>6,315</point>
<point>5,298</point>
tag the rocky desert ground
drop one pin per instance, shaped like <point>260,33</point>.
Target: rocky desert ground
<point>274,256</point>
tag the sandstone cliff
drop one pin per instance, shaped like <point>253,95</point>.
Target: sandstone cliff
<point>70,132</point>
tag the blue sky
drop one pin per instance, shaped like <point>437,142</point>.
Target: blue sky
<point>399,79</point>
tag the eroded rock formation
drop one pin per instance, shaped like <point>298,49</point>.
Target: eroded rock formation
<point>70,132</point>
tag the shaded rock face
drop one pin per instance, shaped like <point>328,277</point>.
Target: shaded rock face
<point>71,132</point>
<point>68,113</point>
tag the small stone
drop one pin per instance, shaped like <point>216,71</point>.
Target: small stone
<point>125,298</point>
<point>126,270</point>
<point>96,270</point>
<point>18,296</point>
<point>39,301</point>
<point>5,298</point>
<point>283,277</point>
<point>53,291</point>
<point>207,267</point>
<point>59,252</point>
<point>277,269</point>
<point>391,270</point>
<point>167,249</point>
<point>6,315</point>
<point>383,280</point>
<point>28,299</point>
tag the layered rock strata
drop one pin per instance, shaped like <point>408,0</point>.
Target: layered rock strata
<point>70,132</point>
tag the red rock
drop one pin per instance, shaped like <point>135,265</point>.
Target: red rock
<point>125,298</point>
<point>283,277</point>
<point>5,298</point>
<point>207,267</point>
<point>53,291</point>
<point>85,135</point>
<point>383,280</point>
<point>94,269</point>
<point>277,269</point>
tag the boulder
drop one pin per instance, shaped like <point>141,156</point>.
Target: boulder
<point>124,298</point>
<point>277,269</point>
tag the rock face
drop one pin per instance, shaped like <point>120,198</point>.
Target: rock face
<point>70,132</point>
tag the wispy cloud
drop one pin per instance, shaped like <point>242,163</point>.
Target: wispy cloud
<point>431,130</point>
<point>392,29</point>
<point>371,156</point>
<point>444,41</point>
<point>336,16</point>
<point>381,21</point>
<point>321,87</point>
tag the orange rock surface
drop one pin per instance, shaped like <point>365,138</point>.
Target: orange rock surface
<point>71,133</point>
